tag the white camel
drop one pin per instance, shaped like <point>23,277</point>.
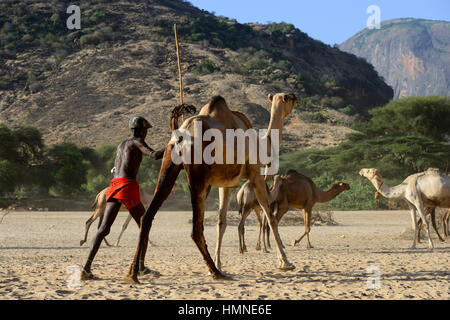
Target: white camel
<point>430,188</point>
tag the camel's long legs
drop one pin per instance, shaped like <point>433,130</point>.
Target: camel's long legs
<point>261,195</point>
<point>445,221</point>
<point>412,211</point>
<point>265,230</point>
<point>224,199</point>
<point>198,212</point>
<point>88,225</point>
<point>261,226</point>
<point>307,220</point>
<point>433,223</point>
<point>417,203</point>
<point>244,212</point>
<point>432,213</point>
<point>124,227</point>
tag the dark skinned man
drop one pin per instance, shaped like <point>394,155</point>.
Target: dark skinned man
<point>124,188</point>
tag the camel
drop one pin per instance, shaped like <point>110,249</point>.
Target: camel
<point>430,188</point>
<point>100,200</point>
<point>246,200</point>
<point>202,176</point>
<point>296,191</point>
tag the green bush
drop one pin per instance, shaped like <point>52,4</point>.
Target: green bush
<point>318,117</point>
<point>349,110</point>
<point>205,67</point>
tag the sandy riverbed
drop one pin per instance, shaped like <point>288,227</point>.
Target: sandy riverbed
<point>37,248</point>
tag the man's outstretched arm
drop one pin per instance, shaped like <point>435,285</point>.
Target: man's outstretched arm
<point>145,149</point>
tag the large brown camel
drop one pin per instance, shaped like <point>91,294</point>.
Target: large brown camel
<point>202,176</point>
<point>430,188</point>
<point>295,191</point>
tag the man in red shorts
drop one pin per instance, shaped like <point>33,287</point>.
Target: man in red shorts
<point>124,188</point>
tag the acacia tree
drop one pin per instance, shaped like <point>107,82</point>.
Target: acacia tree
<point>22,159</point>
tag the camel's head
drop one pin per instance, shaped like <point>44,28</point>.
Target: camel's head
<point>340,186</point>
<point>375,177</point>
<point>283,103</point>
<point>370,174</point>
<point>276,181</point>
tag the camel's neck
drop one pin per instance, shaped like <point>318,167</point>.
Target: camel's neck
<point>274,191</point>
<point>276,120</point>
<point>386,191</point>
<point>325,196</point>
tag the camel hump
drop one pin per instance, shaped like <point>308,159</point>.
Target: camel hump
<point>217,108</point>
<point>294,173</point>
<point>291,172</point>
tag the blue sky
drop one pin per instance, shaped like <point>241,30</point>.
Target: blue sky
<point>326,20</point>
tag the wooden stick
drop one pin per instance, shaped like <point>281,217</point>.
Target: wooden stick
<point>179,65</point>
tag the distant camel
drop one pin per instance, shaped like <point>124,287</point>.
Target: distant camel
<point>296,191</point>
<point>430,188</point>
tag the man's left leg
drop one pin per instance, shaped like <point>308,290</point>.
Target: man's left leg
<point>112,208</point>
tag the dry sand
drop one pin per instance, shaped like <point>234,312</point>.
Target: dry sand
<point>37,248</point>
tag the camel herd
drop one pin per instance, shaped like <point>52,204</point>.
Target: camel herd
<point>423,191</point>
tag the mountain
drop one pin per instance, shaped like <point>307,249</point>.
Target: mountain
<point>413,55</point>
<point>84,85</point>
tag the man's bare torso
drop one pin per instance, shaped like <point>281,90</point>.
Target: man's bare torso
<point>129,157</point>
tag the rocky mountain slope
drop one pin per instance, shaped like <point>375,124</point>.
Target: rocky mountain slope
<point>84,85</point>
<point>413,55</point>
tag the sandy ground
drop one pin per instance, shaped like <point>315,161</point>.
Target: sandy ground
<point>37,250</point>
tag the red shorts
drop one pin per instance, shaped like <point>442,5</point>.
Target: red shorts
<point>126,190</point>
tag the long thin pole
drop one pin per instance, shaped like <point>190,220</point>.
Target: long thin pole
<point>179,64</point>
